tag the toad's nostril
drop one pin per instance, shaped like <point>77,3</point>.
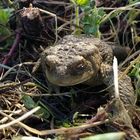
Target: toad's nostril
<point>61,71</point>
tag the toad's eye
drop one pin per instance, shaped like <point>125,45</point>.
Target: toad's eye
<point>49,62</point>
<point>78,68</point>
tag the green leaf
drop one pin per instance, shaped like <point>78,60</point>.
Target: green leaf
<point>44,112</point>
<point>26,138</point>
<point>135,71</point>
<point>133,1</point>
<point>5,15</point>
<point>107,136</point>
<point>28,102</point>
<point>82,2</point>
<point>92,20</point>
<point>4,27</point>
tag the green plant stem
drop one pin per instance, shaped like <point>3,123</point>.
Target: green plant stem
<point>77,15</point>
<point>77,31</point>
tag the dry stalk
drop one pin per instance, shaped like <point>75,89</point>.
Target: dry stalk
<point>26,115</point>
<point>125,8</point>
<point>115,70</point>
<point>71,130</point>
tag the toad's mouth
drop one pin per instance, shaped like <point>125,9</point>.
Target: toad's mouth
<point>68,80</point>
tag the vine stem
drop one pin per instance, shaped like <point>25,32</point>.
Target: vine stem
<point>13,48</point>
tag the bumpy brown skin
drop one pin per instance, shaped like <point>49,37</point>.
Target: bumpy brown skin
<point>81,59</point>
